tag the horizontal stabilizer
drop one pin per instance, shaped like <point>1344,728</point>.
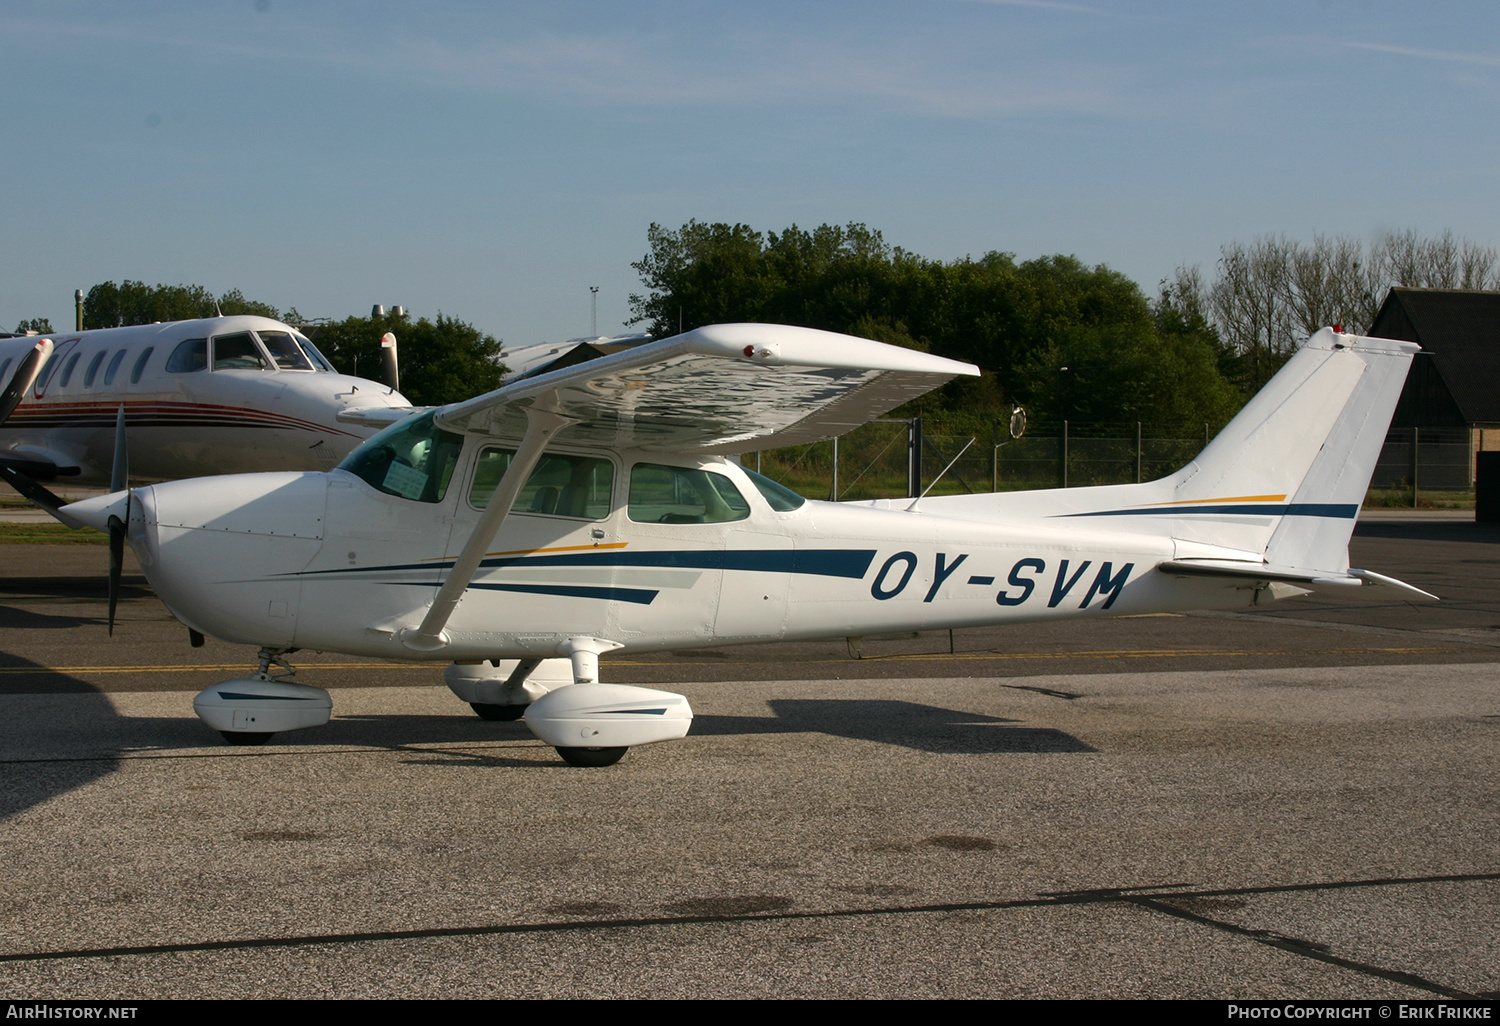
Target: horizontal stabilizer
<point>1314,580</point>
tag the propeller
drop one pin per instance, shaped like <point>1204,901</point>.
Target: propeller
<point>21,474</point>
<point>119,479</point>
<point>26,372</point>
<point>389,370</point>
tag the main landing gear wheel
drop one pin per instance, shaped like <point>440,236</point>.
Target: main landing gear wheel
<point>498,713</point>
<point>247,737</point>
<point>592,756</point>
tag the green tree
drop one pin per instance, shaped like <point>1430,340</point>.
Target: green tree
<point>1020,323</point>
<point>108,305</point>
<point>40,325</point>
<point>442,361</point>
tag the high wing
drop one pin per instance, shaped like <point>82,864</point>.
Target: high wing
<point>727,388</point>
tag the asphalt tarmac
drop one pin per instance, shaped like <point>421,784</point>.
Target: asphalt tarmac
<point>1302,801</point>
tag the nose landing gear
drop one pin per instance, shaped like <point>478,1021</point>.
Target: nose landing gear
<point>250,710</point>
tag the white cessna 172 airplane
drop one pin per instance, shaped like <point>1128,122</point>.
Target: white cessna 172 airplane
<point>597,507</point>
<point>219,395</point>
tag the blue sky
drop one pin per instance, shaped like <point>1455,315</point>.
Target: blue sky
<point>494,160</point>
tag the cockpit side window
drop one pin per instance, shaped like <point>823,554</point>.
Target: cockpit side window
<point>560,485</point>
<point>237,352</point>
<point>683,495</point>
<point>283,350</point>
<point>190,355</point>
<point>413,459</point>
<point>318,359</point>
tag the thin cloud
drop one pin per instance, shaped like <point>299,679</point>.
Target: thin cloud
<point>1049,5</point>
<point>1449,56</point>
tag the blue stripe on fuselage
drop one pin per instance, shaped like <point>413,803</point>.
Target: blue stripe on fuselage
<point>1338,511</point>
<point>850,563</point>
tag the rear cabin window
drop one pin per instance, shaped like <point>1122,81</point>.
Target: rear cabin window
<point>560,485</point>
<point>679,495</point>
<point>67,372</point>
<point>237,352</point>
<point>189,356</point>
<point>114,366</point>
<point>140,366</point>
<point>93,371</point>
<point>413,458</point>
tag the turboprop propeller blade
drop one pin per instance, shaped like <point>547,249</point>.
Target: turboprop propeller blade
<point>25,375</point>
<point>119,480</point>
<point>116,564</point>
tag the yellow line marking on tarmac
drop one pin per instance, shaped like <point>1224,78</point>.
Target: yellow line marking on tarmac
<point>229,668</point>
<point>894,657</point>
<point>1107,654</point>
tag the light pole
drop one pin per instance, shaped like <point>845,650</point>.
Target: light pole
<point>593,311</point>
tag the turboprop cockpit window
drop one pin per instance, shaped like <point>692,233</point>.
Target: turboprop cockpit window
<point>683,495</point>
<point>560,486</point>
<point>318,359</point>
<point>781,498</point>
<point>413,459</point>
<point>283,350</point>
<point>237,352</point>
<point>190,355</point>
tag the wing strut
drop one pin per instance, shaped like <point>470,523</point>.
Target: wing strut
<point>541,425</point>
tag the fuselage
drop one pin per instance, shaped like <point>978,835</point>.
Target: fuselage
<point>219,395</point>
<point>640,548</point>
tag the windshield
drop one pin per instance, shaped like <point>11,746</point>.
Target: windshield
<point>319,360</point>
<point>283,350</point>
<point>413,459</point>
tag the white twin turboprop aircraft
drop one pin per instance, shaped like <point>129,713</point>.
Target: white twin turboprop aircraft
<point>598,507</point>
<point>211,396</point>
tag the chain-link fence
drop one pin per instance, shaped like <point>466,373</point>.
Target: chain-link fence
<point>875,461</point>
<point>1435,459</point>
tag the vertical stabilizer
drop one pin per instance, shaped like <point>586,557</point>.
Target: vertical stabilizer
<point>1301,453</point>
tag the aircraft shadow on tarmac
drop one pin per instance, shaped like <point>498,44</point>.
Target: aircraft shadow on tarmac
<point>906,724</point>
<point>32,731</point>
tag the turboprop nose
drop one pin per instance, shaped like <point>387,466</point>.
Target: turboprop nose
<point>96,512</point>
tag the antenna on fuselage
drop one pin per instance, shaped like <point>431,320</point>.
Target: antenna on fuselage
<point>913,507</point>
